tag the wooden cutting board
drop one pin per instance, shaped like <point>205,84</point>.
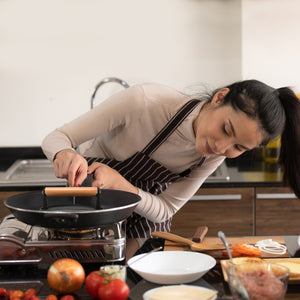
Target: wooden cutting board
<point>218,254</point>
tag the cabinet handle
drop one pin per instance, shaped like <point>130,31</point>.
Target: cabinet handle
<point>276,196</point>
<point>217,197</point>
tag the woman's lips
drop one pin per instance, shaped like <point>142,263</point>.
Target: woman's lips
<point>208,149</point>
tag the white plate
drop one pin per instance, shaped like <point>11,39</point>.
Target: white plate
<point>178,292</point>
<point>172,267</point>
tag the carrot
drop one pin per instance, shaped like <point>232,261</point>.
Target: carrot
<point>246,249</point>
<point>233,253</point>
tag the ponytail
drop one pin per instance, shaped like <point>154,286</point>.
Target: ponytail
<point>290,139</point>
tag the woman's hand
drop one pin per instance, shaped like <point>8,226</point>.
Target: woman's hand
<point>107,178</point>
<point>70,165</point>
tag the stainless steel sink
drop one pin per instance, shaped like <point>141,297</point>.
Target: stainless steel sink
<point>31,172</point>
<point>37,172</point>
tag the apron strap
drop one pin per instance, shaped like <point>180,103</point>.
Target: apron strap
<point>170,127</point>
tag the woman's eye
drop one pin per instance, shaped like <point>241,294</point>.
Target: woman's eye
<point>224,130</point>
<point>238,148</point>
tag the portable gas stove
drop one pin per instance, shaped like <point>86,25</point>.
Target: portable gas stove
<point>26,244</point>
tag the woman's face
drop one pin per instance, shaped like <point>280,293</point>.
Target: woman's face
<point>220,130</point>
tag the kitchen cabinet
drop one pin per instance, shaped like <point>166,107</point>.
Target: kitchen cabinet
<point>227,209</point>
<point>277,211</point>
<point>4,211</point>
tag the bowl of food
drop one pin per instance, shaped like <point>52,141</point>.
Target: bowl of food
<point>172,267</point>
<point>263,281</point>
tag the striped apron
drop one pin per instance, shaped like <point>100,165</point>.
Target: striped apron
<point>149,175</point>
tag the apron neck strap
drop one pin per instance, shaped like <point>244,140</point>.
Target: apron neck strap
<point>171,126</point>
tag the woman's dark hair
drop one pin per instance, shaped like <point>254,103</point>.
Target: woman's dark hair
<point>278,113</point>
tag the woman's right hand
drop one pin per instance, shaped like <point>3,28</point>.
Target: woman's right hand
<point>70,165</point>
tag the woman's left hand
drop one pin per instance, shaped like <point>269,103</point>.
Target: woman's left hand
<point>107,178</point>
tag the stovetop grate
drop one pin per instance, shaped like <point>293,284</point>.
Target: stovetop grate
<point>81,255</point>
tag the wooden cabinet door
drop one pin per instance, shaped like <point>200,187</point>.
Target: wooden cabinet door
<point>277,212</point>
<point>227,209</point>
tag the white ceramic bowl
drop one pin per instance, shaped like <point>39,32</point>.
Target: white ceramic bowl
<point>172,267</point>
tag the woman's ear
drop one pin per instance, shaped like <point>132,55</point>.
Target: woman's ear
<point>219,96</point>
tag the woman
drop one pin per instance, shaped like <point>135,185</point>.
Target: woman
<point>161,144</point>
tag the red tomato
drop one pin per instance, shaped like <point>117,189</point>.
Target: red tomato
<point>66,275</point>
<point>93,281</point>
<point>67,297</point>
<point>2,292</point>
<point>35,298</point>
<point>28,294</point>
<point>16,294</point>
<point>51,297</point>
<point>114,290</point>
<point>8,253</point>
<point>8,292</point>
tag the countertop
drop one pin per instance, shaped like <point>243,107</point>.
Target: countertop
<point>248,170</point>
<point>32,276</point>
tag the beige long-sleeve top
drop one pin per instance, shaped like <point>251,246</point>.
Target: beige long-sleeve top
<point>124,124</point>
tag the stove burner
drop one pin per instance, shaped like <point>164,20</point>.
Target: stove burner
<point>105,244</point>
<point>86,234</point>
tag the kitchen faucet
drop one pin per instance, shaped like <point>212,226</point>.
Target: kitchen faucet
<point>107,80</point>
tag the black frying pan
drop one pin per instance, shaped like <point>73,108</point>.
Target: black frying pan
<point>72,208</point>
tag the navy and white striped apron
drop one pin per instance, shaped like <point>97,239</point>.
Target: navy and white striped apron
<point>149,175</point>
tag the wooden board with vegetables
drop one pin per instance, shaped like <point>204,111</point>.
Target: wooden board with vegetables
<point>240,246</point>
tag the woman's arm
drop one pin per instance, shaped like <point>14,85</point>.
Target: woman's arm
<point>157,208</point>
<point>59,146</point>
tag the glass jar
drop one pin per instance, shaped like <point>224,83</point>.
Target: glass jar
<point>116,271</point>
<point>272,150</point>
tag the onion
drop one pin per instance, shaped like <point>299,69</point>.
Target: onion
<point>66,276</point>
<point>271,246</point>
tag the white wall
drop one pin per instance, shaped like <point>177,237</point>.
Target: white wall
<point>270,42</point>
<point>53,52</point>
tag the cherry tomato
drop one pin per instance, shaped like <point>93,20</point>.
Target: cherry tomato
<point>21,252</point>
<point>28,294</point>
<point>68,297</point>
<point>16,294</point>
<point>35,298</point>
<point>115,289</point>
<point>8,292</point>
<point>93,281</point>
<point>66,275</point>
<point>2,292</point>
<point>8,253</point>
<point>51,297</point>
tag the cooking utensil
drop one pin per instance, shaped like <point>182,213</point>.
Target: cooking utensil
<point>200,233</point>
<point>72,208</point>
<point>194,246</point>
<point>238,288</point>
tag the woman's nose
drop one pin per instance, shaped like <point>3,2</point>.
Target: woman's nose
<point>222,146</point>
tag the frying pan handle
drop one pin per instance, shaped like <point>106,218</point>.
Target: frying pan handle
<point>71,191</point>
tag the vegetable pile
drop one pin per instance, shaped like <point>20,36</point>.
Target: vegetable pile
<point>268,246</point>
<point>66,276</point>
<point>103,286</point>
<point>242,249</point>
